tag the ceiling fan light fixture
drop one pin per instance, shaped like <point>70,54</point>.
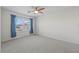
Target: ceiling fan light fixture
<point>36,12</point>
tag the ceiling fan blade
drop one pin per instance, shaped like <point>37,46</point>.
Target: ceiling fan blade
<point>41,9</point>
<point>36,8</point>
<point>40,12</point>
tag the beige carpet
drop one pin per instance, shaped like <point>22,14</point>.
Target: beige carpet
<point>38,44</point>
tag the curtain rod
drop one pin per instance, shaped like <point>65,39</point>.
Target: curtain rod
<point>22,16</point>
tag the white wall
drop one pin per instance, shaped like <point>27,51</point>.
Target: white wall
<point>62,25</point>
<point>0,28</point>
<point>35,25</point>
<point>6,24</point>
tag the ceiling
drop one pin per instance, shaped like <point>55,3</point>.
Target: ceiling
<point>25,9</point>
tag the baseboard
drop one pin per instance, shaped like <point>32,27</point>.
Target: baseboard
<point>17,38</point>
<point>57,39</point>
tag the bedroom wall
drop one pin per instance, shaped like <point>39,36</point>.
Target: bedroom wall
<point>5,26</point>
<point>0,28</point>
<point>61,25</point>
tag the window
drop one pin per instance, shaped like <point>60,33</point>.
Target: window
<point>22,24</point>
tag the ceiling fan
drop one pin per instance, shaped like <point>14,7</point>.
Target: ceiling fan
<point>36,10</point>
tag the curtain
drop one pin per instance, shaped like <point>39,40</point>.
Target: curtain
<point>13,26</point>
<point>31,25</point>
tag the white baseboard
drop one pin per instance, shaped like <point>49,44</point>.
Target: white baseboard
<point>58,39</point>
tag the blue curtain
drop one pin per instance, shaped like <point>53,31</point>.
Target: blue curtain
<point>31,25</point>
<point>13,26</point>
